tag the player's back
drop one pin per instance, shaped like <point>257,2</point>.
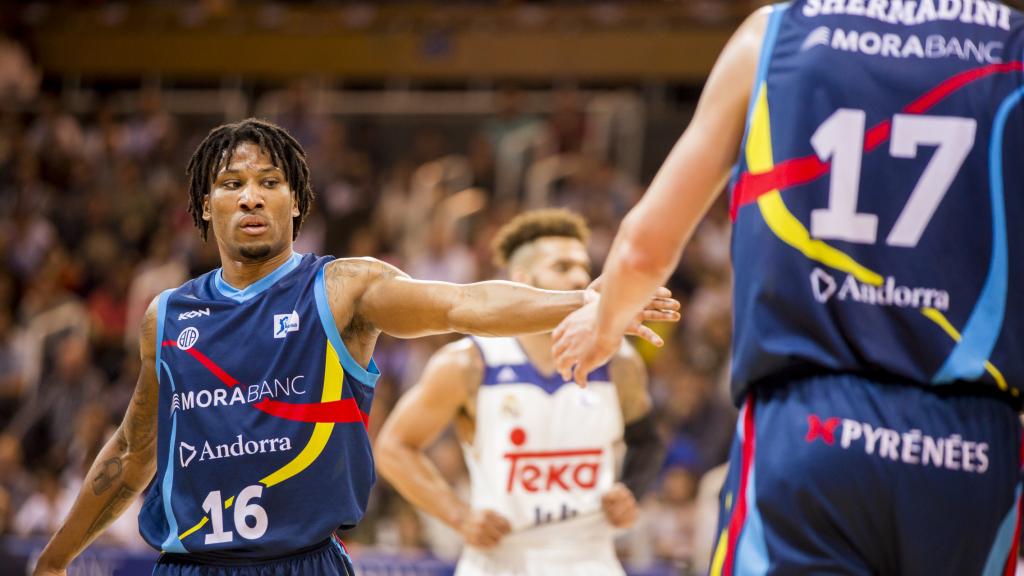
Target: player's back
<point>262,445</point>
<point>877,194</point>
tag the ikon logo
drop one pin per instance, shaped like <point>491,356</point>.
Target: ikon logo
<point>823,285</point>
<point>194,314</point>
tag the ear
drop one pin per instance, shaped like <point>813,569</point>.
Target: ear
<point>206,208</point>
<point>295,206</point>
<point>518,274</point>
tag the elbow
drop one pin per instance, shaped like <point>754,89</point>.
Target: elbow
<point>645,252</point>
<point>643,256</point>
<point>387,455</point>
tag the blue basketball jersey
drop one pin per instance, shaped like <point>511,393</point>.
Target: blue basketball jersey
<point>878,197</point>
<point>262,441</point>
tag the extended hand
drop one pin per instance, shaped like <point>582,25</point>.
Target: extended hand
<point>484,528</point>
<point>620,506</point>
<point>579,347</point>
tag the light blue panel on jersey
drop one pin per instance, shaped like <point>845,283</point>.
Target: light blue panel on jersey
<point>967,361</point>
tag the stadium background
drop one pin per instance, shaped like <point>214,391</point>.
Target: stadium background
<point>427,124</point>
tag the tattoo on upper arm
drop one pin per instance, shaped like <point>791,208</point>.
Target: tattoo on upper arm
<point>113,508</point>
<point>109,473</point>
<point>142,415</point>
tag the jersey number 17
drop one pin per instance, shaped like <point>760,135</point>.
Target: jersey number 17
<point>841,139</point>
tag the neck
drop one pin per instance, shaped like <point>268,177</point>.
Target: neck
<point>538,350</point>
<point>240,274</point>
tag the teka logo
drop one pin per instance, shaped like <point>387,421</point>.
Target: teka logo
<point>268,389</point>
<point>194,314</point>
<point>824,287</point>
<point>188,338</point>
<point>826,430</point>
<point>240,447</point>
<point>550,470</point>
<point>820,36</point>
<point>285,323</point>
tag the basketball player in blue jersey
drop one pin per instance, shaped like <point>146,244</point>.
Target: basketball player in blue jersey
<point>879,312</point>
<point>250,412</point>
<point>540,451</point>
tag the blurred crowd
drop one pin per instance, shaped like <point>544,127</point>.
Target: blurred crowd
<point>93,225</point>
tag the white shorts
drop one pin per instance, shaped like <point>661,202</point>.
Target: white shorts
<point>580,547</point>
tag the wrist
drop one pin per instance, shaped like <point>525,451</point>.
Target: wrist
<point>458,516</point>
<point>48,562</point>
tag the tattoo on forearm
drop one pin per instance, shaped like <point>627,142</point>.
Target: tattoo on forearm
<point>109,473</point>
<point>112,509</point>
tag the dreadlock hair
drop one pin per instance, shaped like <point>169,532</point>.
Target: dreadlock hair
<point>216,150</point>
<point>529,226</point>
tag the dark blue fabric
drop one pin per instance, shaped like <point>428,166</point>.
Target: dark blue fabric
<point>791,311</point>
<point>224,356</point>
<point>326,561</point>
<point>830,505</point>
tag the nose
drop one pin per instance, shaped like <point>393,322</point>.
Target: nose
<point>250,198</point>
<point>580,278</point>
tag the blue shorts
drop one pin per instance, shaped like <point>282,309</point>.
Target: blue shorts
<point>328,559</point>
<point>839,474</point>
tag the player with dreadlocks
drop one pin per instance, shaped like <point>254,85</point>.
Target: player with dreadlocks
<point>251,407</point>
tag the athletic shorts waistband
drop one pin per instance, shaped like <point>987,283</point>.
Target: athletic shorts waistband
<point>222,559</point>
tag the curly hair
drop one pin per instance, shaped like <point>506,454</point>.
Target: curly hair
<point>529,226</point>
<point>216,149</point>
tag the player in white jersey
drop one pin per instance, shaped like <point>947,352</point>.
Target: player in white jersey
<point>540,451</point>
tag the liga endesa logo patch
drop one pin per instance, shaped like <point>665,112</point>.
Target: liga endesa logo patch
<point>952,452</point>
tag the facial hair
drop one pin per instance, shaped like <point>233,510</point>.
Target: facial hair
<point>257,252</point>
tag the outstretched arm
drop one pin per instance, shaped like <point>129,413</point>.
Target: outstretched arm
<point>425,411</point>
<point>121,471</point>
<point>390,301</point>
<point>653,234</point>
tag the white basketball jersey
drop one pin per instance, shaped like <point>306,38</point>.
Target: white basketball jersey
<point>542,456</point>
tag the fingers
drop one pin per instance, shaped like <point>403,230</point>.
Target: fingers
<point>663,293</point>
<point>581,371</point>
<point>495,527</point>
<point>620,507</point>
<point>647,334</point>
<point>664,304</point>
<point>560,345</point>
<point>487,529</point>
<point>650,315</point>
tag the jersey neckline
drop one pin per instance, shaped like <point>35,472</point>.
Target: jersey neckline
<point>257,287</point>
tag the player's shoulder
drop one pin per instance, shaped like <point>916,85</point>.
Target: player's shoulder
<point>463,355</point>
<point>364,267</point>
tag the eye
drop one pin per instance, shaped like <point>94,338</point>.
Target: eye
<point>271,183</point>
<point>231,184</point>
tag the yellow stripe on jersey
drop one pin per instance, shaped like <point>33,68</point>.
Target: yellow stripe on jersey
<point>334,375</point>
<point>940,319</point>
<point>189,532</point>
<point>773,209</point>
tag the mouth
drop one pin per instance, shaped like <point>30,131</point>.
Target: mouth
<point>253,225</point>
